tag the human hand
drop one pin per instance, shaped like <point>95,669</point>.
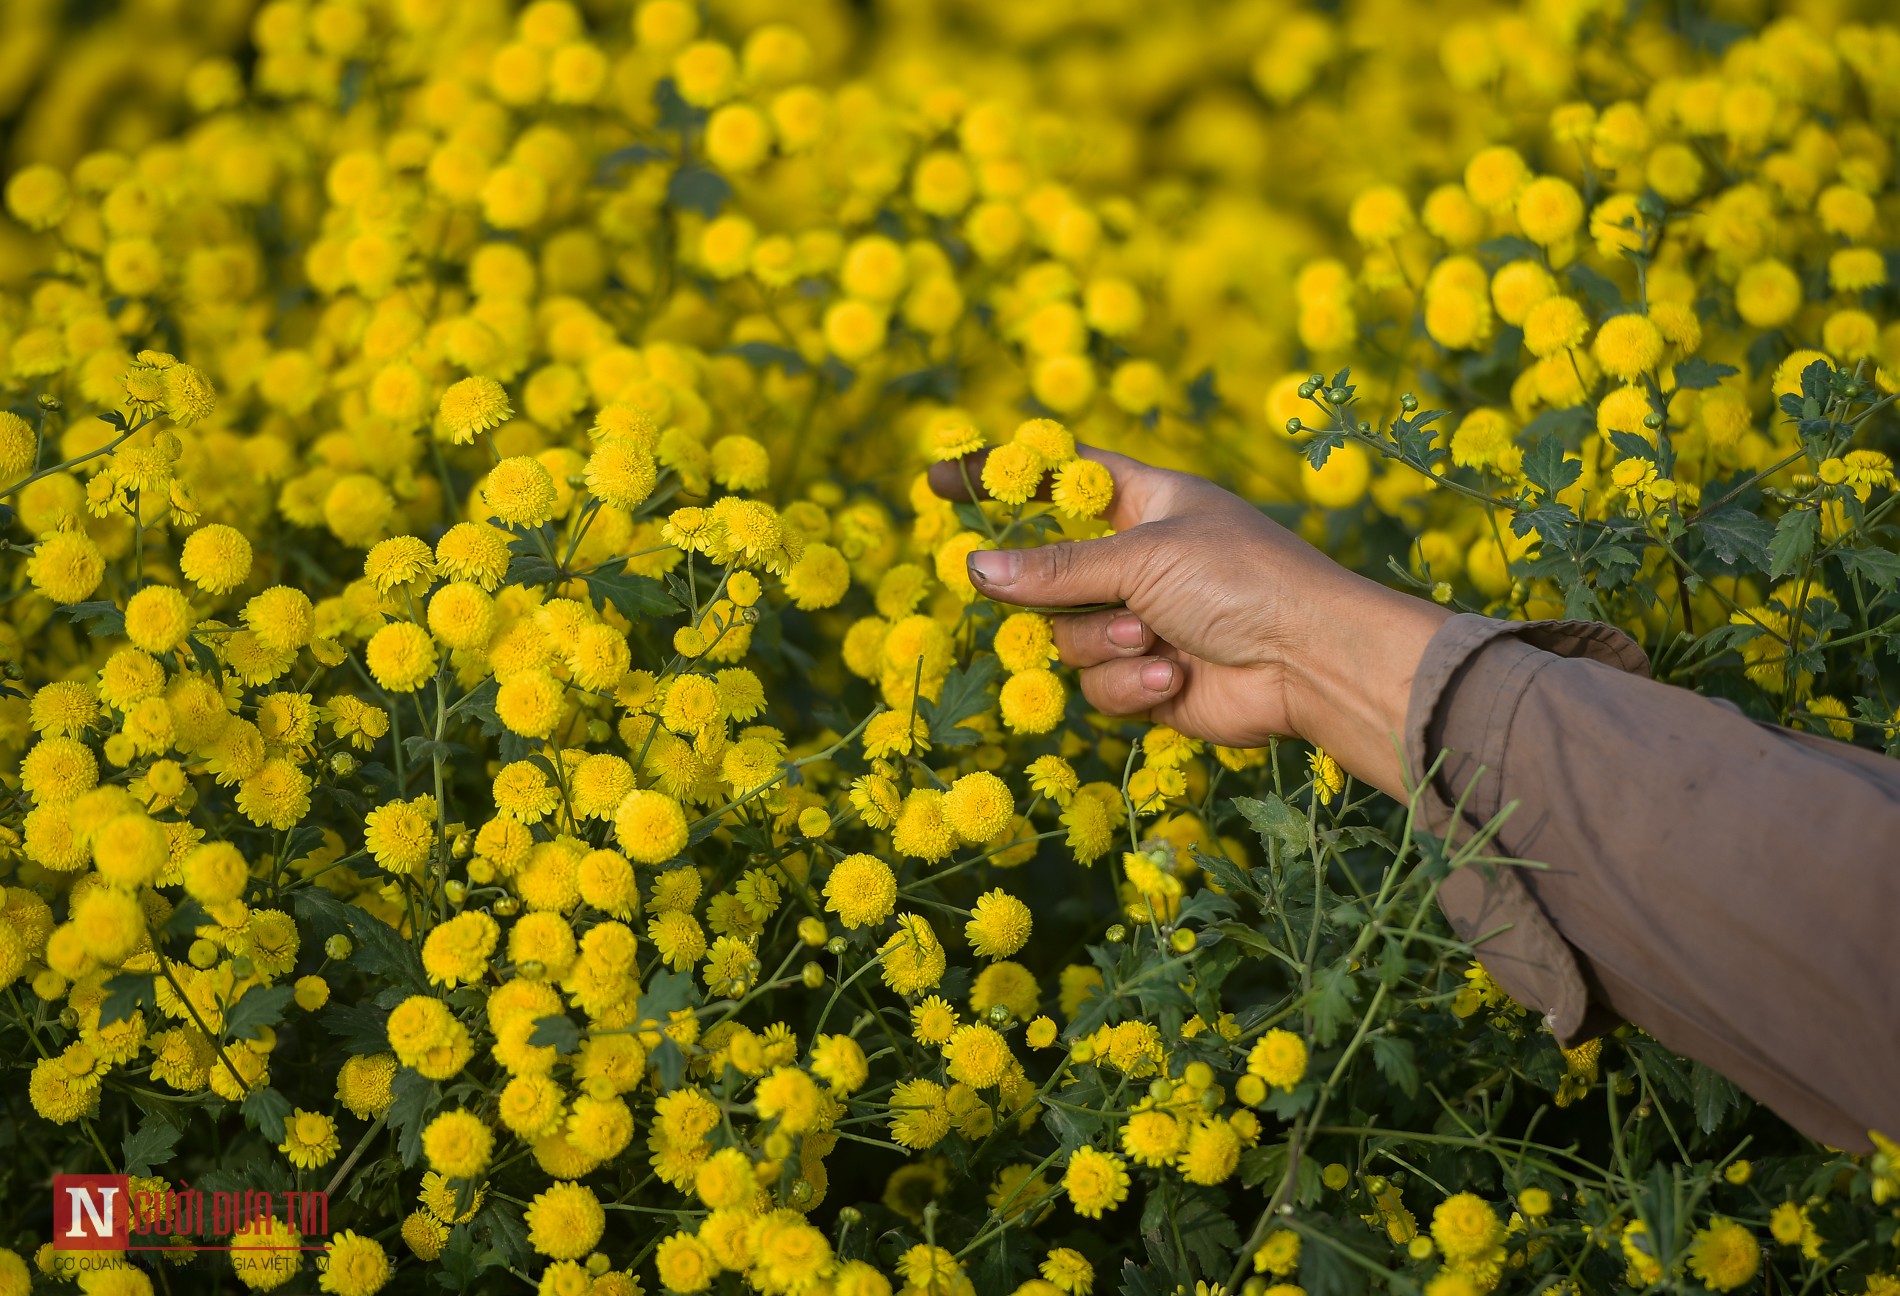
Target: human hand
<point>1233,629</point>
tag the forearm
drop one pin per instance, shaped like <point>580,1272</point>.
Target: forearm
<point>1350,676</point>
<point>1728,886</point>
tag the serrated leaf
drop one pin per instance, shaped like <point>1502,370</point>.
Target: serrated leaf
<point>265,1110</point>
<point>1817,383</point>
<point>1397,1063</point>
<point>556,1031</point>
<point>1321,447</point>
<point>1714,1096</point>
<point>361,1028</point>
<point>380,949</point>
<point>531,568</point>
<point>634,597</point>
<point>1570,422</point>
<point>1206,1231</point>
<point>965,695</point>
<point>102,616</point>
<point>1793,541</point>
<point>1695,373</point>
<point>125,991</point>
<point>500,1225</point>
<point>1333,995</point>
<point>1326,1266</point>
<point>1735,534</point>
<point>1547,469</point>
<point>259,1007</point>
<point>412,1098</point>
<point>1274,819</point>
<point>460,1262</point>
<point>666,993</point>
<point>1631,446</point>
<point>149,1144</point>
<point>1072,1125</point>
<point>424,750</point>
<point>1880,566</point>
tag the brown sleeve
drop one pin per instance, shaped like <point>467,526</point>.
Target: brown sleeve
<point>1731,887</point>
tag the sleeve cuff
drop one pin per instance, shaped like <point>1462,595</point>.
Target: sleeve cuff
<point>1457,737</point>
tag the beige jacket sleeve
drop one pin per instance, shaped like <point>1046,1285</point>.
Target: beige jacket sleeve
<point>1731,887</point>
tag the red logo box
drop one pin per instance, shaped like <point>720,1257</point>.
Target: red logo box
<point>91,1212</point>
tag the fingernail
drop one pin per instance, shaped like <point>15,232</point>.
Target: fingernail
<point>1157,676</point>
<point>1126,632</point>
<point>993,567</point>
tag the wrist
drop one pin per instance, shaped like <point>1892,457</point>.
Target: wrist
<point>1349,678</point>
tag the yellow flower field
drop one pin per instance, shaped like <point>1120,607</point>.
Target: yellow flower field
<point>498,730</point>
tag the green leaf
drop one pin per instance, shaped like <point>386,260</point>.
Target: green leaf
<point>1695,373</point>
<point>261,1006</point>
<point>1595,286</point>
<point>500,1225</point>
<point>1567,423</point>
<point>361,1028</point>
<point>1397,1063</point>
<point>698,189</point>
<point>102,616</point>
<point>1205,1230</point>
<point>1631,446</point>
<point>965,695</point>
<point>380,949</point>
<point>462,1261</point>
<point>423,750</point>
<point>667,993</point>
<point>412,1099</point>
<point>1008,1259</point>
<point>1274,820</point>
<point>1793,542</point>
<point>935,382</point>
<point>1326,1266</point>
<point>1880,566</point>
<point>1264,1167</point>
<point>634,597</point>
<point>265,1110</point>
<point>1321,447</point>
<point>1736,534</point>
<point>1202,399</point>
<point>1072,1125</point>
<point>124,993</point>
<point>1547,469</point>
<point>1333,995</point>
<point>1509,247</point>
<point>149,1144</point>
<point>761,355</point>
<point>1247,938</point>
<point>531,570</point>
<point>556,1031</point>
<point>1714,1096</point>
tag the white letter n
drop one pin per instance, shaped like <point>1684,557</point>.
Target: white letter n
<point>82,1200</point>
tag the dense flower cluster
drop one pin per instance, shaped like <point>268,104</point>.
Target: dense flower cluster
<point>497,724</point>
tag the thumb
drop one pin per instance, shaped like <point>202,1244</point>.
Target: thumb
<point>1069,574</point>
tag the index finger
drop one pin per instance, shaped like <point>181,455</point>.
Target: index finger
<point>1141,490</point>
